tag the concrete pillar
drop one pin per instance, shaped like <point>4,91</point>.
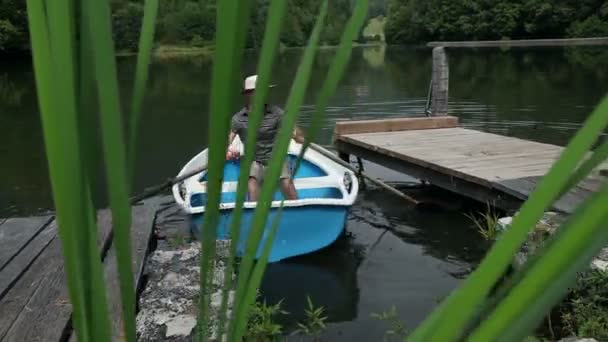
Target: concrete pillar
<point>441,78</point>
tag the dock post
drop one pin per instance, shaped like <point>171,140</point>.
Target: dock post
<point>344,156</point>
<point>440,82</point>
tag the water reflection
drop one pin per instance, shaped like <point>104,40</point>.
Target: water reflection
<point>374,55</point>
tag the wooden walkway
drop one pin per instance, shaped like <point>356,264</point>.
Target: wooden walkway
<point>34,304</point>
<point>483,166</point>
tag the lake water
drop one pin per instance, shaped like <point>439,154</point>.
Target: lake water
<point>393,254</point>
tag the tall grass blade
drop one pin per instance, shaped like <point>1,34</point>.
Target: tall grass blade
<point>458,309</point>
<point>571,248</point>
<point>114,153</point>
<point>599,156</point>
<point>256,277</point>
<point>55,55</point>
<point>279,154</point>
<point>267,57</point>
<point>336,70</point>
<point>232,19</point>
<point>144,54</point>
<point>59,162</point>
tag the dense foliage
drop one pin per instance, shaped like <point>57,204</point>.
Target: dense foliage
<point>192,22</point>
<point>188,22</point>
<point>13,25</point>
<point>423,20</point>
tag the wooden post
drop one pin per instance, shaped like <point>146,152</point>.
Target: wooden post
<point>344,156</point>
<point>441,77</point>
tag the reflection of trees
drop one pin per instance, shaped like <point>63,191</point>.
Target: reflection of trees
<point>374,55</point>
<point>591,58</point>
<point>10,93</point>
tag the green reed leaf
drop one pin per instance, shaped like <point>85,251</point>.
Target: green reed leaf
<point>452,316</point>
<point>336,70</point>
<point>256,277</point>
<point>279,154</point>
<point>144,54</point>
<point>574,240</point>
<point>267,57</point>
<point>232,19</point>
<point>59,162</point>
<point>114,153</point>
<point>597,157</point>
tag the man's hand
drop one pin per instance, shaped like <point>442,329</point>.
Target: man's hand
<point>298,136</point>
<point>232,155</point>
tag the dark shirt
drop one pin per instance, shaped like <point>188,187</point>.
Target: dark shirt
<point>266,134</point>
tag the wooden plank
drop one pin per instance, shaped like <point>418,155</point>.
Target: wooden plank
<point>21,263</point>
<point>523,187</point>
<point>481,193</point>
<point>37,307</point>
<point>16,233</point>
<point>521,42</point>
<point>391,125</point>
<point>419,161</point>
<point>49,263</point>
<point>142,227</point>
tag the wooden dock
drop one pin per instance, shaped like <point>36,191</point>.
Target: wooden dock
<point>489,168</point>
<point>34,303</point>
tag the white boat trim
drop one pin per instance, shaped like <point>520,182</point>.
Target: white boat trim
<point>335,178</point>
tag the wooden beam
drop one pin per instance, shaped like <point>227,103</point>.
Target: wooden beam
<point>392,125</point>
<point>522,43</point>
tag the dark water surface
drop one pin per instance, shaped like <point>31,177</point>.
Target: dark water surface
<point>392,254</point>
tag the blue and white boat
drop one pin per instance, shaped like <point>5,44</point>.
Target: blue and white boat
<point>315,220</point>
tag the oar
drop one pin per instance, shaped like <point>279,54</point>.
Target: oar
<point>152,191</point>
<point>379,183</point>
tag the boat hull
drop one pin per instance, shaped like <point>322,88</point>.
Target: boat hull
<point>301,230</point>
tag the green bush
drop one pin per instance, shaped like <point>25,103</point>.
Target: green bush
<point>9,35</point>
<point>593,26</point>
<point>126,23</point>
<point>186,24</point>
<point>586,311</point>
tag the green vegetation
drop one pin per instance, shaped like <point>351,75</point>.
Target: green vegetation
<point>374,31</point>
<point>414,21</point>
<point>486,223</point>
<point>315,320</point>
<point>262,325</point>
<point>397,330</point>
<point>585,313</point>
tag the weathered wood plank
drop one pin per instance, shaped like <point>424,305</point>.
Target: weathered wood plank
<point>16,233</point>
<point>21,263</point>
<point>14,303</point>
<point>142,227</point>
<point>37,308</point>
<point>523,187</point>
<point>391,125</point>
<point>521,42</point>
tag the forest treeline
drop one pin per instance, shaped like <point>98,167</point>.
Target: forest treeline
<point>192,23</point>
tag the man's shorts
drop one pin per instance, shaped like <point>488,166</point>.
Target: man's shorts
<point>257,171</point>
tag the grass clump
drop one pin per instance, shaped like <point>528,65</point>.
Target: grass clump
<point>315,322</point>
<point>397,330</point>
<point>486,223</point>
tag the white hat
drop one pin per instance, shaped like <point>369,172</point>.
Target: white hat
<point>250,83</point>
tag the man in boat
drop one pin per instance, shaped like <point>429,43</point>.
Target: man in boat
<point>265,141</point>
